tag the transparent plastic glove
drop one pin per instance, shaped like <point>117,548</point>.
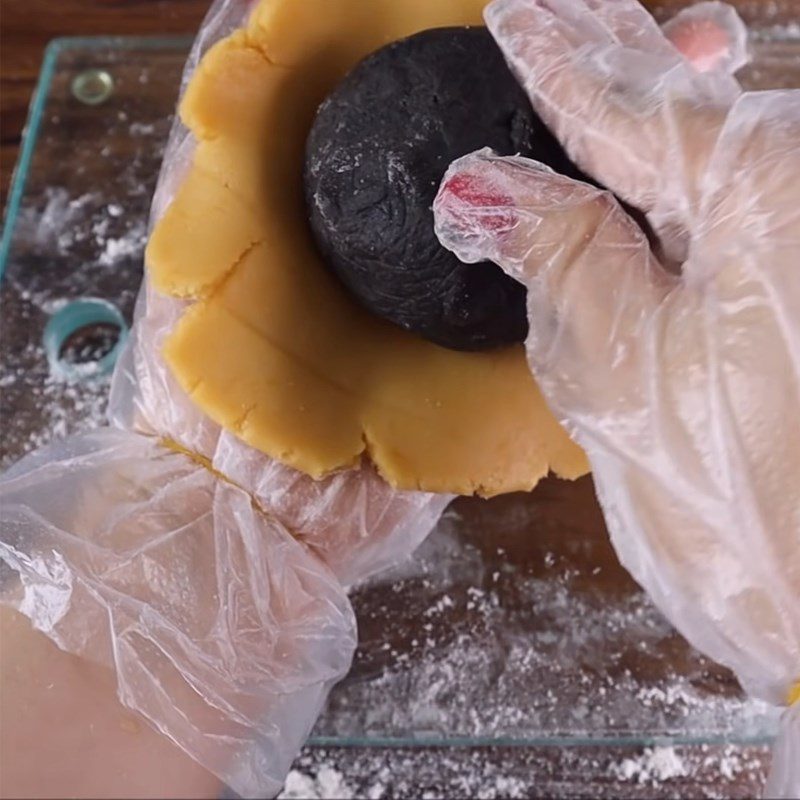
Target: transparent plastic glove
<point>210,579</point>
<point>683,389</point>
<point>224,631</point>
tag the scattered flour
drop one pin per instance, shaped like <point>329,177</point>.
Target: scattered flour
<point>70,242</point>
<point>472,646</point>
<point>62,221</point>
<point>142,129</point>
<point>779,33</point>
<point>654,765</point>
<point>130,244</point>
<point>66,222</point>
<point>60,409</point>
<point>496,773</point>
<point>329,784</point>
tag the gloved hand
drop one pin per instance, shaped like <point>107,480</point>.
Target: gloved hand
<point>684,389</point>
<point>209,579</point>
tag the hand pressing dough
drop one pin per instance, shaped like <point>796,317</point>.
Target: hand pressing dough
<point>371,179</point>
<point>274,349</point>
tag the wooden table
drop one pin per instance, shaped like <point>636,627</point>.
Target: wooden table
<point>26,26</point>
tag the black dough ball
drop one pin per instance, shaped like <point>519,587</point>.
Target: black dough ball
<point>376,154</point>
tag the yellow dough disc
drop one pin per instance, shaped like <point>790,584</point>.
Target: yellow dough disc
<point>274,349</point>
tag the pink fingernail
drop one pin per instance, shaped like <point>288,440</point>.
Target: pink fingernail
<point>704,43</point>
<point>472,190</point>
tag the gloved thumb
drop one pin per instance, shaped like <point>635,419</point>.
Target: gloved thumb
<point>593,284</point>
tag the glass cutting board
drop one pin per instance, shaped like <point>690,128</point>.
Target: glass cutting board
<point>513,624</point>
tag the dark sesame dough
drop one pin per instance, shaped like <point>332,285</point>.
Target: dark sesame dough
<point>376,154</point>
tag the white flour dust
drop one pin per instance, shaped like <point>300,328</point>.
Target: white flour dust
<point>475,649</point>
<point>66,222</point>
<point>69,247</point>
<point>653,766</point>
<point>62,408</point>
<point>327,784</point>
<point>507,773</point>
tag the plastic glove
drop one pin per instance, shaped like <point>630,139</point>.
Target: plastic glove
<point>683,389</point>
<point>208,577</point>
<point>223,631</point>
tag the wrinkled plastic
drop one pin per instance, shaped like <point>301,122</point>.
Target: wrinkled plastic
<point>224,631</point>
<point>683,389</point>
<point>209,577</point>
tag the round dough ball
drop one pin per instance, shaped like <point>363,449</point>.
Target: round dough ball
<point>376,154</point>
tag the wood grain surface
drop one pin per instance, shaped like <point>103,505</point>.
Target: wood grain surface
<point>26,26</point>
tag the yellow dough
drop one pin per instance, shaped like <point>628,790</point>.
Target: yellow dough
<point>274,349</point>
